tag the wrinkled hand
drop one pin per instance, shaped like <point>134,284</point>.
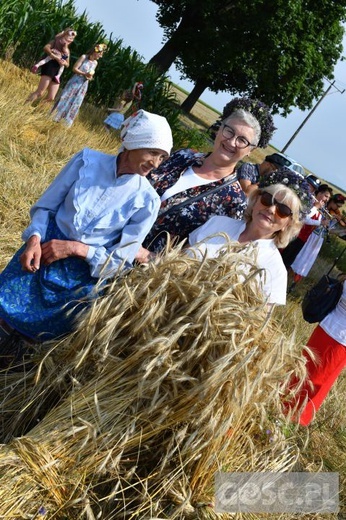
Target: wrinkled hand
<point>59,249</point>
<point>31,256</point>
<point>144,255</point>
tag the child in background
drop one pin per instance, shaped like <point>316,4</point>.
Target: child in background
<point>115,119</point>
<point>137,96</point>
<point>116,116</point>
<point>60,49</point>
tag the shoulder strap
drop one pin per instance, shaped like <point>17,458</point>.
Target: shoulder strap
<point>231,179</point>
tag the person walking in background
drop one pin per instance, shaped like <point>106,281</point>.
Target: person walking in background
<point>65,38</point>
<point>249,174</point>
<point>137,93</point>
<point>88,225</point>
<point>194,186</point>
<point>306,257</point>
<point>76,88</point>
<point>324,364</point>
<point>313,219</point>
<point>50,80</point>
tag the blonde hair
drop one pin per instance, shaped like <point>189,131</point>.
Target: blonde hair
<point>287,196</point>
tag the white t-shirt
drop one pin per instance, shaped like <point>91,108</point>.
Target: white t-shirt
<point>189,179</point>
<point>268,256</point>
<point>334,324</point>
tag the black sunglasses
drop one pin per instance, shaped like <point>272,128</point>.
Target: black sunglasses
<point>282,210</point>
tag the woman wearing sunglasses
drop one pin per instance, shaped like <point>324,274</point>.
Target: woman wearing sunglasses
<point>273,218</point>
<point>193,186</point>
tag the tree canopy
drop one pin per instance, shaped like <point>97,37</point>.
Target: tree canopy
<point>278,51</point>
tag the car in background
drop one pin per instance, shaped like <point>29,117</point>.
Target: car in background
<point>283,160</point>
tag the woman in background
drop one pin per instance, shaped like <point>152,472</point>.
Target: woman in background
<point>312,220</point>
<point>74,92</point>
<point>325,364</point>
<point>306,257</point>
<point>58,52</point>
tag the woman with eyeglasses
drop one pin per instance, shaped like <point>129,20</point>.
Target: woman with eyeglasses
<point>273,217</point>
<point>195,186</point>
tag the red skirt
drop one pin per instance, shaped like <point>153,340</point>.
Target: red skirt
<point>322,373</point>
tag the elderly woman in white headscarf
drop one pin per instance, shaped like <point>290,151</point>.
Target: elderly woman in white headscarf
<point>88,224</point>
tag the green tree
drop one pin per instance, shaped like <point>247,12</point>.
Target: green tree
<point>276,50</point>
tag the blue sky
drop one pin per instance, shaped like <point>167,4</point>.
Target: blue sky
<point>321,143</point>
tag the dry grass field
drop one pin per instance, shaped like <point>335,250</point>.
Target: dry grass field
<point>32,151</point>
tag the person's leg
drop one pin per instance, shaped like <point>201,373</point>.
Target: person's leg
<point>42,87</point>
<point>57,77</point>
<point>322,373</point>
<point>39,64</point>
<point>52,91</point>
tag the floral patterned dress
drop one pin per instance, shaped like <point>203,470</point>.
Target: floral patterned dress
<point>229,200</point>
<point>73,94</point>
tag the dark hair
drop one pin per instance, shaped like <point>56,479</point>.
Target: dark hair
<point>338,198</point>
<point>324,187</point>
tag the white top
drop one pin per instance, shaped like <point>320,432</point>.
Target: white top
<point>312,221</point>
<point>189,179</point>
<point>268,256</point>
<point>334,324</point>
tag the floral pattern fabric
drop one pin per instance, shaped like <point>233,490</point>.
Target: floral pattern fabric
<point>44,305</point>
<point>73,94</point>
<point>249,172</point>
<point>229,200</point>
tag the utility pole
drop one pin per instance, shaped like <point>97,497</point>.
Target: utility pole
<point>309,115</point>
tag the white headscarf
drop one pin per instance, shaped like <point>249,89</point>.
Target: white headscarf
<point>146,130</point>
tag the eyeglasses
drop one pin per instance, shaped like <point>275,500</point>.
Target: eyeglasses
<point>240,140</point>
<point>282,210</point>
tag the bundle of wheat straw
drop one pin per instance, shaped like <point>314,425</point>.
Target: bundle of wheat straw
<point>171,376</point>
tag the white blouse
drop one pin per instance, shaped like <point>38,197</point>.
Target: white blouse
<point>268,256</point>
<point>334,324</point>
